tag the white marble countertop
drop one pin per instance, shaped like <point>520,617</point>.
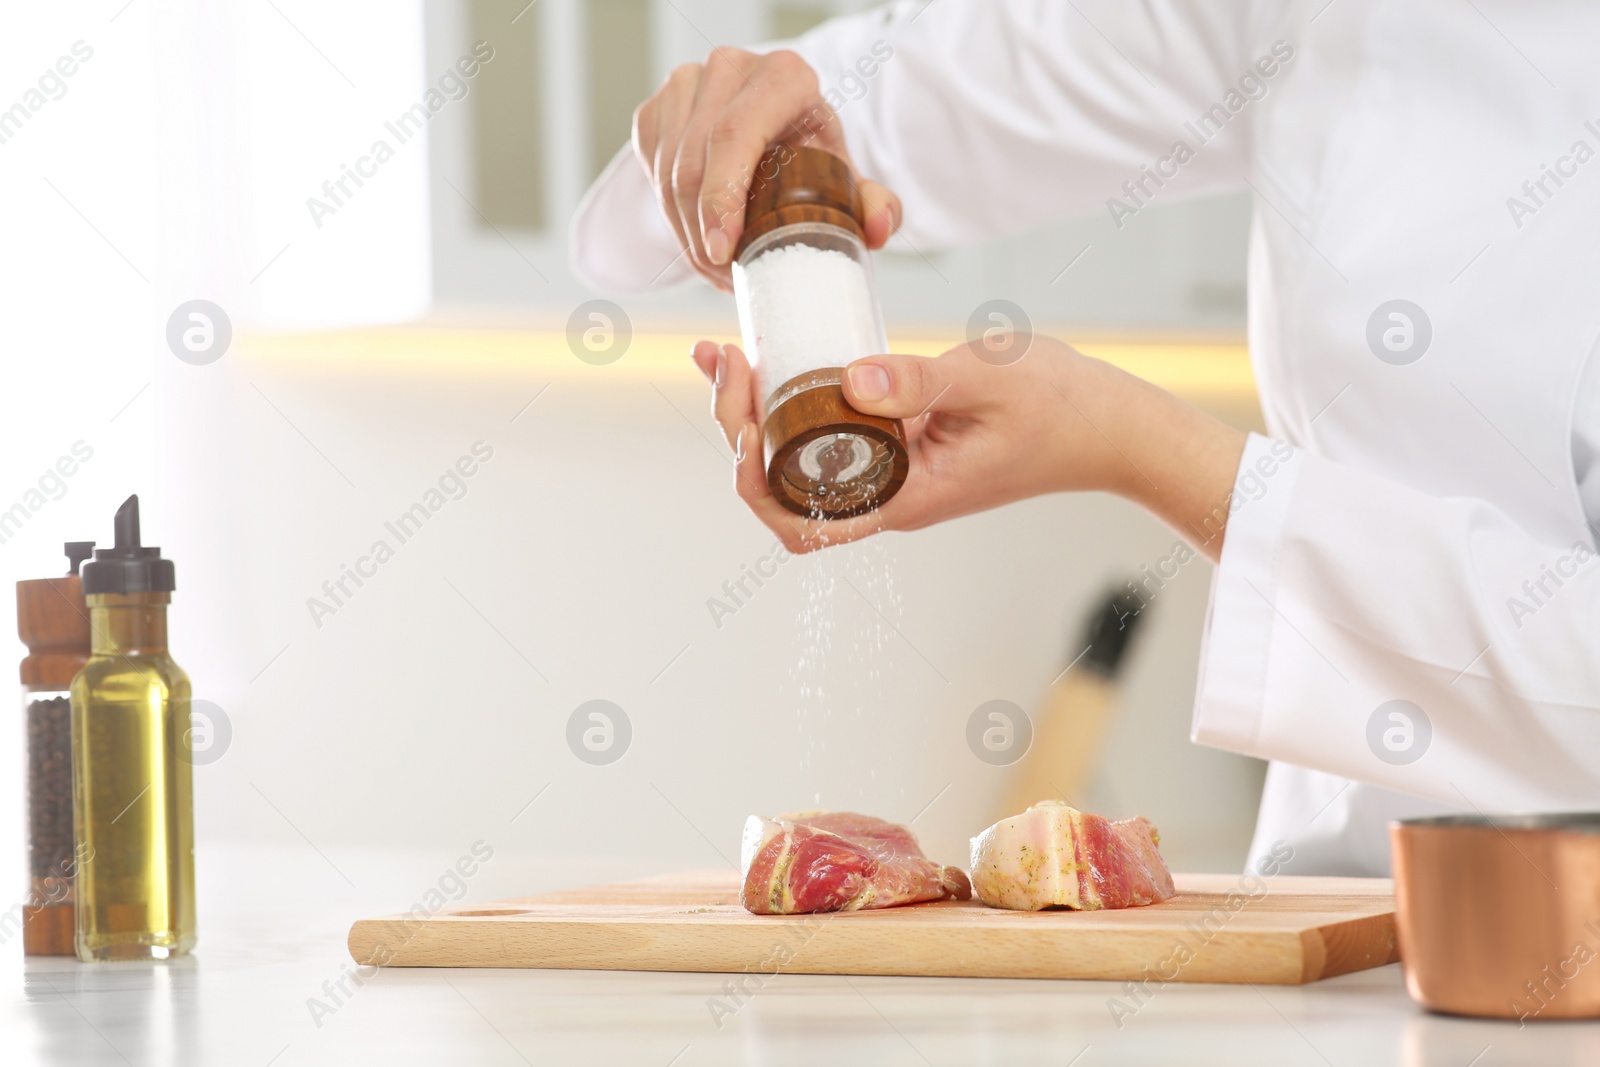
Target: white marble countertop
<point>245,998</point>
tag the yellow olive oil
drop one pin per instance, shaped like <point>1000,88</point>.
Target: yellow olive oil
<point>132,777</point>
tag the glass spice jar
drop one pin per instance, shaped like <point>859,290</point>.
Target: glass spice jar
<point>53,622</point>
<point>808,306</point>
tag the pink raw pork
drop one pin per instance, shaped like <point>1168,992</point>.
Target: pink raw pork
<point>1055,856</point>
<point>838,861</point>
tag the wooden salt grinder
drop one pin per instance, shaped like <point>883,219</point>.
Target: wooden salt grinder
<point>809,185</point>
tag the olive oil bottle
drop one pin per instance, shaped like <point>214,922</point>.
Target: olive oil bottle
<point>132,780</point>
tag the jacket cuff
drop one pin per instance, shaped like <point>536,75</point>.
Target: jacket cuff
<point>1241,620</point>
<point>617,240</point>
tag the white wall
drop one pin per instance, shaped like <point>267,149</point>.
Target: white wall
<point>1002,615</point>
<point>592,540</point>
<point>590,544</point>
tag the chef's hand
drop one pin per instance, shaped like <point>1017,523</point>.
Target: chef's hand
<point>981,435</point>
<point>701,135</point>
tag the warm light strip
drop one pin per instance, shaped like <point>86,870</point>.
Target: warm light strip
<point>1208,369</point>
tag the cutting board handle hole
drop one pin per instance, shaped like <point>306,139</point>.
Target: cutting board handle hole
<point>489,912</point>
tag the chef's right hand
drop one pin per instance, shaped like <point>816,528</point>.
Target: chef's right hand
<point>982,434</point>
<point>701,135</point>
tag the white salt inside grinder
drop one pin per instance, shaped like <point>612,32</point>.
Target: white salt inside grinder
<point>803,308</point>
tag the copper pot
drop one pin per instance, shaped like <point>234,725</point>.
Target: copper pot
<point>1499,916</point>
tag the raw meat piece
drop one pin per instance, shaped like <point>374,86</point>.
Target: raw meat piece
<point>1055,856</point>
<point>838,861</point>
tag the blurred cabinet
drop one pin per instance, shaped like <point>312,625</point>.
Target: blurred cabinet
<point>618,43</point>
<point>791,20</point>
<point>508,129</point>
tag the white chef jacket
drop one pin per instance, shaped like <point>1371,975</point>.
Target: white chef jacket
<point>1424,499</point>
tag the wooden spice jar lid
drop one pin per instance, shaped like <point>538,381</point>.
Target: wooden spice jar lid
<point>53,621</point>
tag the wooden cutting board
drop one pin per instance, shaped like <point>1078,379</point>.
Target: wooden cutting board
<point>1291,930</point>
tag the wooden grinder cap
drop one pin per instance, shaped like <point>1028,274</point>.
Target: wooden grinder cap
<point>801,185</point>
<point>53,621</point>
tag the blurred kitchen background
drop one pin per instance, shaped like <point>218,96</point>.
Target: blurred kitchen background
<point>377,338</point>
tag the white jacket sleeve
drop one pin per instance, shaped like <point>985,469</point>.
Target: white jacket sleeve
<point>987,116</point>
<point>1340,594</point>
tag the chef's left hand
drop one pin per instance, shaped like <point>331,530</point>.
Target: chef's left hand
<point>982,434</point>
